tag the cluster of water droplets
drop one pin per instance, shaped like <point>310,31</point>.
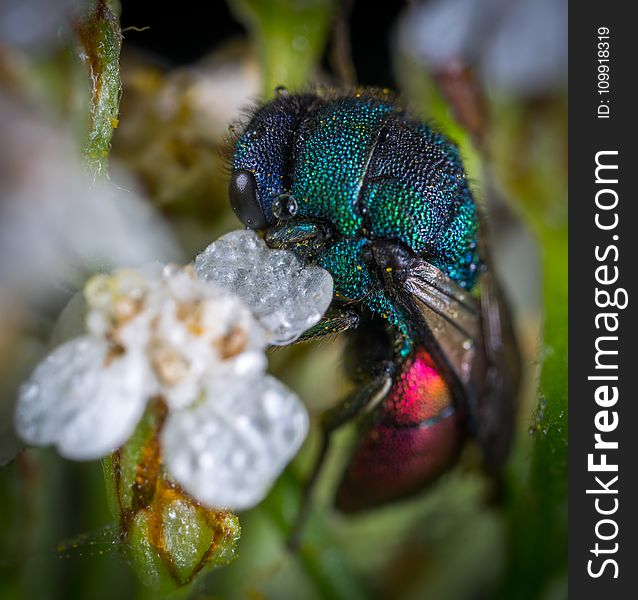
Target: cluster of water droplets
<point>285,295</point>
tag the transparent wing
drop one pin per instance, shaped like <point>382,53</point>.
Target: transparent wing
<point>452,318</point>
<point>473,342</point>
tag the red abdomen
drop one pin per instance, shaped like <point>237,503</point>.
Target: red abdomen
<point>417,437</point>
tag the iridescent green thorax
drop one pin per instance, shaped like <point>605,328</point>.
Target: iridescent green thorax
<point>331,159</point>
<point>370,172</point>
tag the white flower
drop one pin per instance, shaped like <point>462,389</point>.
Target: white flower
<point>164,332</point>
<point>160,333</point>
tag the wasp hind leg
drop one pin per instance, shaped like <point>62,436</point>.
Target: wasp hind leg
<point>360,401</point>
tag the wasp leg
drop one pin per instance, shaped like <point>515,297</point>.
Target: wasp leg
<point>333,322</point>
<point>294,235</point>
<point>362,400</point>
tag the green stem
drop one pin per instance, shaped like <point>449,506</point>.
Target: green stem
<point>100,41</point>
<point>289,35</point>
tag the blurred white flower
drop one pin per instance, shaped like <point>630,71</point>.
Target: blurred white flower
<point>164,332</point>
<point>36,24</point>
<point>53,220</point>
<point>517,46</point>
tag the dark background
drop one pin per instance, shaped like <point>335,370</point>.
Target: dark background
<point>179,37</point>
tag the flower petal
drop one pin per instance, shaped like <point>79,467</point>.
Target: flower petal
<point>227,450</point>
<point>285,295</point>
<point>84,402</point>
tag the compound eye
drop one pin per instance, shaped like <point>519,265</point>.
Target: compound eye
<point>242,190</point>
